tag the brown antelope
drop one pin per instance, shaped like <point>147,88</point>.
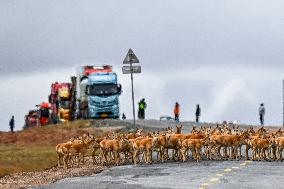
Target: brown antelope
<point>117,147</point>
<point>62,149</point>
<point>96,152</point>
<point>253,135</point>
<point>194,130</point>
<point>114,146</point>
<point>178,127</point>
<point>159,147</point>
<point>79,149</point>
<point>144,145</point>
<point>138,133</point>
<point>279,141</point>
<point>228,140</point>
<point>194,145</point>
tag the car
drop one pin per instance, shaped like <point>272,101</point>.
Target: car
<point>166,118</point>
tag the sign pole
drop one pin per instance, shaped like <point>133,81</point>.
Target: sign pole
<point>130,59</point>
<point>133,107</point>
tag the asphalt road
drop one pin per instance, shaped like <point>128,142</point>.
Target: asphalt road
<point>205,174</point>
<point>201,175</point>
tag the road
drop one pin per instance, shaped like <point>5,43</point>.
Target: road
<point>201,175</point>
<point>205,174</point>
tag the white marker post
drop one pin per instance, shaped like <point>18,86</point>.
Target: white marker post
<point>131,59</point>
<point>283,100</point>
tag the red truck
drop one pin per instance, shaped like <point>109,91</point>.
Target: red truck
<point>62,101</point>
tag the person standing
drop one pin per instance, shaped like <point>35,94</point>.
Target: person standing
<point>197,113</point>
<point>176,111</point>
<point>12,124</point>
<point>123,116</point>
<point>261,111</point>
<point>141,110</point>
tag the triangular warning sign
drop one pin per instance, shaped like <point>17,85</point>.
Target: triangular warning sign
<point>130,58</point>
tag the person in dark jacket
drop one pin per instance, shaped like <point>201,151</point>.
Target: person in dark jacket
<point>141,108</point>
<point>261,111</point>
<point>197,113</point>
<point>123,116</point>
<point>12,124</point>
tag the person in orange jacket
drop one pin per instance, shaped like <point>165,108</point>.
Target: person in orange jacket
<point>176,111</point>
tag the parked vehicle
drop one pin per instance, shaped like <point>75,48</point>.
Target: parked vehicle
<point>166,118</point>
<point>98,92</point>
<point>43,113</point>
<point>31,118</point>
<point>63,101</point>
<point>93,93</point>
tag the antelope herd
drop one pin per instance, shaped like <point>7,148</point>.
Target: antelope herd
<point>222,142</point>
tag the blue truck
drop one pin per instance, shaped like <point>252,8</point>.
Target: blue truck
<point>97,92</point>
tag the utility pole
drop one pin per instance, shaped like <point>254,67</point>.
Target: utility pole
<point>131,59</point>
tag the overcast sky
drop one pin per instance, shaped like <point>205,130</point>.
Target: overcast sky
<point>226,55</point>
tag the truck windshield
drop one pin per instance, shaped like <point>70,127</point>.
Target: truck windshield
<point>103,89</point>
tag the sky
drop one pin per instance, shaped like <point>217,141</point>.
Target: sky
<point>225,55</point>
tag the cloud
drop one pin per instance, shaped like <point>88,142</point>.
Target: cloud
<point>43,35</point>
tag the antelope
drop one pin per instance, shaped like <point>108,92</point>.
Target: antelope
<point>178,127</point>
<point>62,149</point>
<point>144,145</point>
<point>280,146</point>
<point>138,133</point>
<point>195,145</point>
<point>114,146</point>
<point>79,149</point>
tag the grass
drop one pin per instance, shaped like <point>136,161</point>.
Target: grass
<point>33,149</point>
<point>15,158</point>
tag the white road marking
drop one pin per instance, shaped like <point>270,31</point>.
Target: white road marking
<point>205,184</point>
<point>227,170</point>
<point>214,179</point>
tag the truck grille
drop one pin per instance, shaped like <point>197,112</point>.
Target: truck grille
<point>104,103</point>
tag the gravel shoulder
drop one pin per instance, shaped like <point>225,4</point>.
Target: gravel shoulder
<point>29,179</point>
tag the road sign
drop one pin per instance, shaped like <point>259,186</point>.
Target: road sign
<point>130,58</point>
<point>127,69</point>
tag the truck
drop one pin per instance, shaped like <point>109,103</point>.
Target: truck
<point>31,118</point>
<point>63,101</point>
<point>64,97</point>
<point>39,116</point>
<point>97,92</point>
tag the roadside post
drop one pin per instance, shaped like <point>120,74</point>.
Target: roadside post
<point>130,59</point>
